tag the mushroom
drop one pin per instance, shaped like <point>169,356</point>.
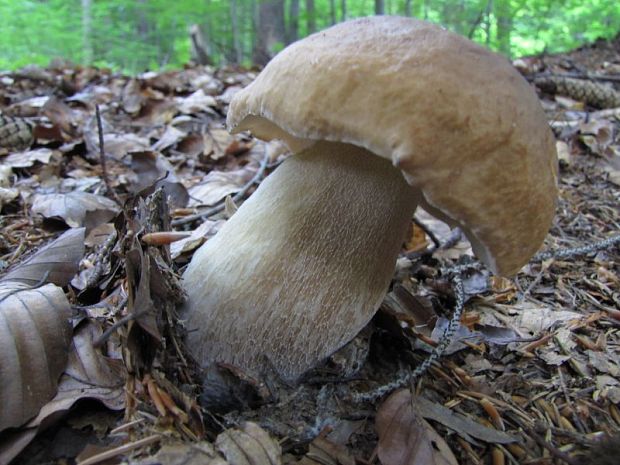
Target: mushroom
<point>382,114</point>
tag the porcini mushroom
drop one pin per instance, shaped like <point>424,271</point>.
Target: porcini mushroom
<point>383,114</point>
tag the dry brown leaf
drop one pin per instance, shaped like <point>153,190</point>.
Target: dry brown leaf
<point>207,229</point>
<point>192,145</point>
<point>195,103</point>
<point>55,263</point>
<point>170,137</point>
<point>405,438</point>
<point>325,452</point>
<point>152,171</point>
<point>216,185</point>
<point>465,427</point>
<point>61,115</point>
<point>34,338</point>
<point>201,453</point>
<point>28,158</point>
<point>221,139</point>
<point>88,374</point>
<point>132,97</point>
<point>250,445</point>
<point>76,208</point>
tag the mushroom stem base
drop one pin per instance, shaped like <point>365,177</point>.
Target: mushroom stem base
<point>303,264</point>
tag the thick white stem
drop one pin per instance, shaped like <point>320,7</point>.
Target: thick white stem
<point>303,264</point>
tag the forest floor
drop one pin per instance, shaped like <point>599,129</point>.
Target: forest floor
<point>532,376</point>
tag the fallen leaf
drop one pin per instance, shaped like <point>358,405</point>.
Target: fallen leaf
<point>197,237</point>
<point>76,208</point>
<point>34,338</point>
<point>28,158</point>
<point>216,185</point>
<point>405,438</point>
<point>170,137</point>
<point>7,195</point>
<point>322,451</point>
<point>200,453</point>
<point>152,171</point>
<point>55,263</point>
<point>195,103</point>
<point>464,426</point>
<point>61,115</point>
<point>88,374</point>
<point>249,445</point>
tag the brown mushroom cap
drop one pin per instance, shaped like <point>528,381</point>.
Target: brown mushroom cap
<point>463,126</point>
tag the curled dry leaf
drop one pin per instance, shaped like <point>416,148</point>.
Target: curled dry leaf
<point>55,263</point>
<point>405,438</point>
<point>76,208</point>
<point>34,339</point>
<point>250,445</point>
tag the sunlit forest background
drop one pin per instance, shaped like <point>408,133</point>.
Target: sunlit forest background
<point>136,35</point>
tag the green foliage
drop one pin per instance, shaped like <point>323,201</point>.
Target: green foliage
<point>148,34</point>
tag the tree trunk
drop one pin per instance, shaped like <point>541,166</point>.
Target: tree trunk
<point>310,15</point>
<point>199,49</point>
<point>270,31</point>
<point>293,21</point>
<point>236,55</point>
<point>503,13</point>
<point>87,31</point>
<point>332,12</point>
<point>343,7</point>
<point>407,7</point>
<point>379,7</point>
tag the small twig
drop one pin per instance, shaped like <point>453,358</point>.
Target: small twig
<point>104,168</point>
<point>236,198</point>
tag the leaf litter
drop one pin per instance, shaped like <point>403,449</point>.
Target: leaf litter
<point>533,371</point>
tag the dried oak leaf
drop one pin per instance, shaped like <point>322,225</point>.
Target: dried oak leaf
<point>76,208</point>
<point>405,438</point>
<point>250,445</point>
<point>35,334</point>
<point>56,263</point>
<point>88,374</point>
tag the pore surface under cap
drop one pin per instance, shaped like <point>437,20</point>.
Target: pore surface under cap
<point>462,125</point>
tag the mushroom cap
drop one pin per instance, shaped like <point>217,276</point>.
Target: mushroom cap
<point>458,120</point>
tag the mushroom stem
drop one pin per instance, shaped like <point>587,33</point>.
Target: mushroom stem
<point>303,264</point>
